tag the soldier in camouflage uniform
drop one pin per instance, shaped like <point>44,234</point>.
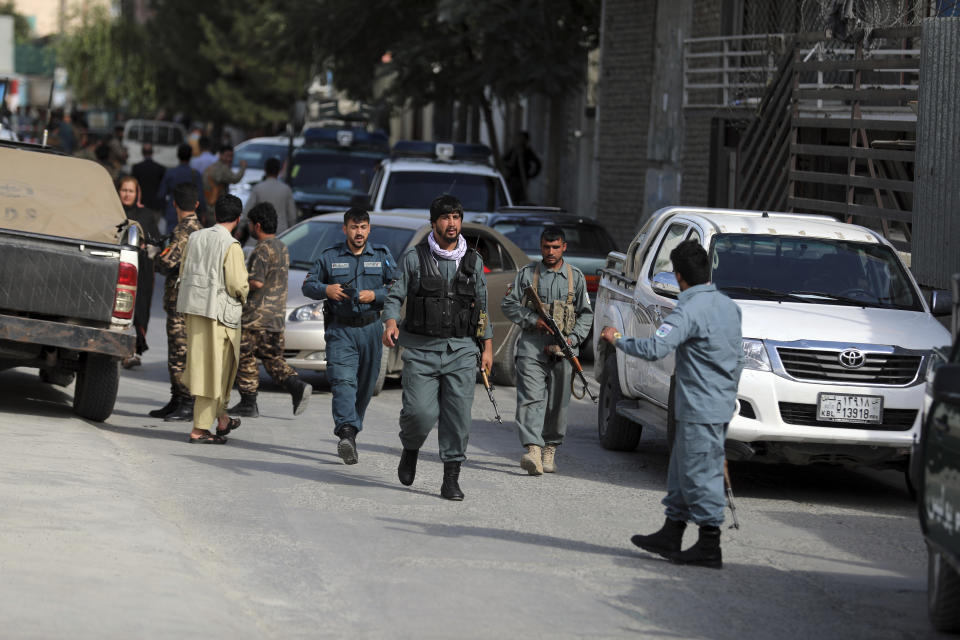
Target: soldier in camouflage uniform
<point>185,200</point>
<point>262,321</point>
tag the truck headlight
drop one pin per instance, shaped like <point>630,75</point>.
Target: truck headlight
<point>755,355</point>
<point>308,312</point>
<point>936,358</point>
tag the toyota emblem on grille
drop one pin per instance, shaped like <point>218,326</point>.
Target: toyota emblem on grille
<point>852,358</point>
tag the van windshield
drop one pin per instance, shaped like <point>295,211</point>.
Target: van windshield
<point>417,189</point>
<point>818,270</point>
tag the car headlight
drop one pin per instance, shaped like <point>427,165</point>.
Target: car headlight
<point>308,312</point>
<point>755,355</point>
<point>936,358</point>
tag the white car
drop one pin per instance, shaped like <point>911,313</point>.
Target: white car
<point>837,337</point>
<point>417,172</point>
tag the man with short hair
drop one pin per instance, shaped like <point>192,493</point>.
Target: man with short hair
<point>185,200</point>
<point>441,279</point>
<point>704,330</point>
<point>543,374</point>
<point>212,301</point>
<point>352,276</point>
<point>175,176</point>
<point>263,318</point>
<point>205,158</point>
<point>277,193</point>
<point>149,173</point>
<point>219,176</point>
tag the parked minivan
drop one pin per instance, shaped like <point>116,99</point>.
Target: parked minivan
<point>165,137</point>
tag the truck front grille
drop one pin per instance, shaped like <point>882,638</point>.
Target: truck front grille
<point>824,366</point>
<point>806,414</point>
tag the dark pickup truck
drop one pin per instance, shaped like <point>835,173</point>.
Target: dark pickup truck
<point>68,274</point>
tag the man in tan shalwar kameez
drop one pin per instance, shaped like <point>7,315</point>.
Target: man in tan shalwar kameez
<point>213,286</point>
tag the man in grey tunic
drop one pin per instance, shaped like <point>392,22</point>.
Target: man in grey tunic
<point>704,329</point>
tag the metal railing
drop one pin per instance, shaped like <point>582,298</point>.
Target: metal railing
<point>729,71</point>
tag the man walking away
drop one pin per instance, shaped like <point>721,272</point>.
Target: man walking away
<point>277,193</point>
<point>543,374</point>
<point>352,276</point>
<point>442,282</point>
<point>263,318</point>
<point>176,176</point>
<point>214,289</point>
<point>186,197</point>
<point>149,173</point>
<point>704,329</point>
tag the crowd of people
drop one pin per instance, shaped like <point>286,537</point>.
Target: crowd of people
<point>224,315</point>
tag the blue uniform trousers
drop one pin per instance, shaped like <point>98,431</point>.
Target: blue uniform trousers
<point>695,474</point>
<point>438,389</point>
<point>543,395</point>
<point>353,365</point>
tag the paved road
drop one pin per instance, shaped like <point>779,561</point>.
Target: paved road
<point>122,529</point>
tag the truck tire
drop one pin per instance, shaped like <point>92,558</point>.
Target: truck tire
<point>505,371</point>
<point>616,432</point>
<point>943,592</point>
<point>382,376</point>
<point>96,390</point>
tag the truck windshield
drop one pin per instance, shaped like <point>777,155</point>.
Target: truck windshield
<point>801,269</point>
<point>333,172</point>
<point>417,189</point>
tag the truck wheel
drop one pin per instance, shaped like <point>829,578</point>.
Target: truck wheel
<point>616,432</point>
<point>943,593</point>
<point>383,372</point>
<point>96,390</point>
<point>505,371</point>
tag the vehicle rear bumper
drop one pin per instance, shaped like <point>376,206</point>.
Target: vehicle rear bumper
<point>118,344</point>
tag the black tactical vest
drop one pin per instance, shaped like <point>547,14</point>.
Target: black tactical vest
<point>443,309</point>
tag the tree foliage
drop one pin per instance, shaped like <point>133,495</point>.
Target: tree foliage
<point>107,62</point>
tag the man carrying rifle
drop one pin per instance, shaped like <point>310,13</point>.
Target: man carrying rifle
<point>441,279</point>
<point>544,375</point>
<point>704,329</point>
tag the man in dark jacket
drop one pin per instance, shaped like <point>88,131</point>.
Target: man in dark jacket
<point>149,173</point>
<point>178,175</point>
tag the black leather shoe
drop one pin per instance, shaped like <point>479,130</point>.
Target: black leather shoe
<point>450,489</point>
<point>165,410</point>
<point>300,391</point>
<point>665,541</point>
<point>183,411</point>
<point>347,447</point>
<point>705,552</point>
<point>247,407</point>
<point>407,470</point>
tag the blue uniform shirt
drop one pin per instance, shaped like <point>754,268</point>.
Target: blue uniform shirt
<point>704,329</point>
<point>372,270</point>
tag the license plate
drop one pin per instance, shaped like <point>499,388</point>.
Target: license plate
<point>842,407</point>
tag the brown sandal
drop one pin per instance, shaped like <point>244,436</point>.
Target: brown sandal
<point>232,423</point>
<point>207,438</point>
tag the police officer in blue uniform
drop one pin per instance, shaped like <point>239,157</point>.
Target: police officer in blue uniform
<point>352,276</point>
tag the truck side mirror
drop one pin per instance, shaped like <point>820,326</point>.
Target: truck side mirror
<point>941,302</point>
<point>665,283</point>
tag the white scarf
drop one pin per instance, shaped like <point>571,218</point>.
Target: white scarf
<point>454,255</point>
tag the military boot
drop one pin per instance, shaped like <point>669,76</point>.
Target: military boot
<point>183,412</point>
<point>549,458</point>
<point>532,462</point>
<point>665,541</point>
<point>407,470</point>
<point>705,552</point>
<point>247,407</point>
<point>347,447</point>
<point>166,409</point>
<point>300,391</point>
<point>450,489</point>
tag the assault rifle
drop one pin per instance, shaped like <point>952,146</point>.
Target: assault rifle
<point>486,381</point>
<point>531,294</point>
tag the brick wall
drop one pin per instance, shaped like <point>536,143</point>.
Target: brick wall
<point>623,114</point>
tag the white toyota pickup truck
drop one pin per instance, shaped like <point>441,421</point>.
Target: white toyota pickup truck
<point>837,337</point>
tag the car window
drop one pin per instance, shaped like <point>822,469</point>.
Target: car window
<point>257,153</point>
<point>817,270</point>
<point>417,189</point>
<point>133,133</point>
<point>695,235</point>
<point>671,239</point>
<point>582,239</point>
<point>306,242</point>
<point>339,173</point>
<point>495,257</point>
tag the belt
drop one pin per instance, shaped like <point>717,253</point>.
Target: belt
<point>356,321</point>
